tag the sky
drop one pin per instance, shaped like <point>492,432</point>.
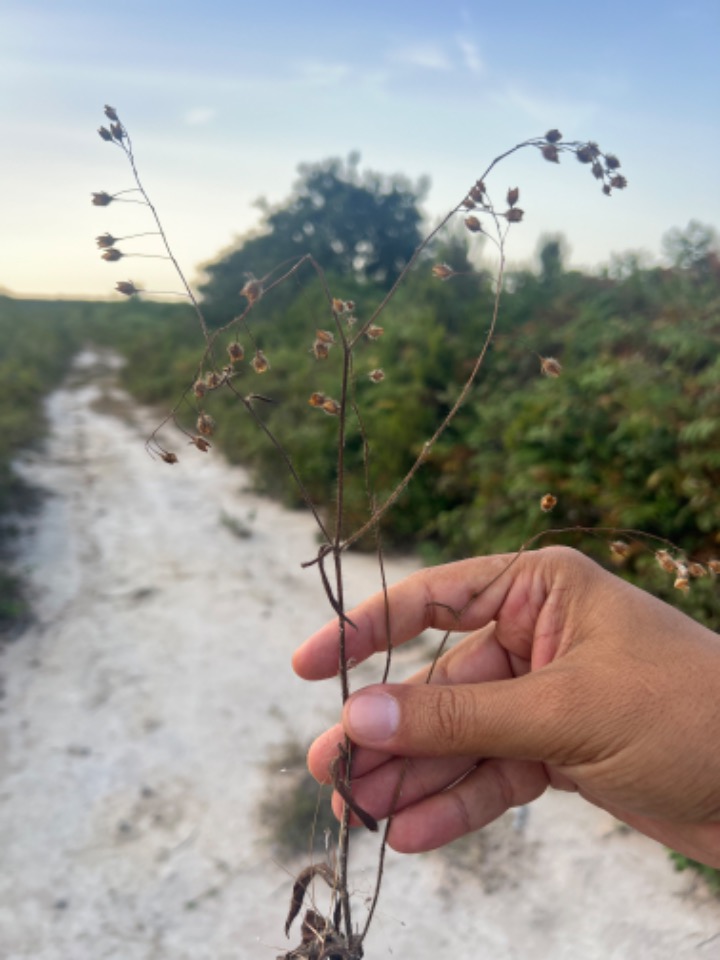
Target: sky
<point>223,99</point>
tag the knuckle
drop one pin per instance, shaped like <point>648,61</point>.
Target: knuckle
<point>449,718</point>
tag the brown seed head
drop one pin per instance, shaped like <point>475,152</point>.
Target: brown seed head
<point>331,407</point>
<point>620,549</point>
<point>550,367</point>
<point>473,224</point>
<point>374,332</point>
<point>665,561</point>
<point>111,254</point>
<point>597,170</point>
<point>101,199</point>
<point>201,443</point>
<point>236,351</point>
<point>213,380</point>
<point>547,502</point>
<point>252,290</point>
<point>442,271</point>
<point>111,113</point>
<point>469,203</point>
<point>513,195</point>
<point>105,241</point>
<point>168,457</point>
<point>205,425</point>
<point>618,182</point>
<point>514,215</point>
<point>117,131</point>
<point>553,136</point>
<point>696,570</point>
<point>377,375</point>
<point>200,388</point>
<point>127,287</point>
<point>714,566</point>
<point>682,581</point>
<point>611,161</point>
<point>317,399</point>
<point>326,336</point>
<point>260,363</point>
<point>585,154</point>
<point>551,153</point>
<point>321,349</point>
<point>105,133</point>
<point>351,320</point>
<point>350,305</point>
<point>478,191</point>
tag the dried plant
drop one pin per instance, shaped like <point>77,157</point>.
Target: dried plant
<point>233,357</point>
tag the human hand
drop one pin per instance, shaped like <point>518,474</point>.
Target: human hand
<point>569,677</point>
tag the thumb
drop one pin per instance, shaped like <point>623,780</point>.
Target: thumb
<point>535,717</point>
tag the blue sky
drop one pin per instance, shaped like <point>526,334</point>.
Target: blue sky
<point>224,99</point>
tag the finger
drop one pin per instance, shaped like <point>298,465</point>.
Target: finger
<point>540,716</point>
<point>458,596</point>
<point>482,796</point>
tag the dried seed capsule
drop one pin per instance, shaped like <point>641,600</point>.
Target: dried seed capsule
<point>252,291</point>
<point>620,549</point>
<point>213,380</point>
<point>377,375</point>
<point>127,287</point>
<point>321,349</point>
<point>547,503</point>
<point>611,161</point>
<point>553,136</point>
<point>112,254</point>
<point>442,271</point>
<point>513,195</point>
<point>325,336</point>
<point>682,581</point>
<point>597,170</point>
<point>550,367</point>
<point>105,241</point>
<point>101,199</point>
<point>514,215</point>
<point>260,363</point>
<point>236,351</point>
<point>105,133</point>
<point>618,182</point>
<point>201,443</point>
<point>200,388</point>
<point>111,113</point>
<point>551,153</point>
<point>205,425</point>
<point>696,570</point>
<point>331,407</point>
<point>473,224</point>
<point>714,566</point>
<point>478,191</point>
<point>665,561</point>
<point>374,332</point>
<point>317,399</point>
<point>117,131</point>
<point>168,457</point>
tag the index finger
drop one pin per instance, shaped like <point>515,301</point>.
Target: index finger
<point>457,596</point>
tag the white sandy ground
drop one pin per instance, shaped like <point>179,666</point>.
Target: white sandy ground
<point>139,710</point>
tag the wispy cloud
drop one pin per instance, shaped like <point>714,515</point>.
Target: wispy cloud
<point>427,56</point>
<point>470,55</point>
<point>198,116</point>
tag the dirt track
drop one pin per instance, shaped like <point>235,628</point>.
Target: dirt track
<point>139,710</point>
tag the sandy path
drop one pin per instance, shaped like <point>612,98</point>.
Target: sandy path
<point>137,717</point>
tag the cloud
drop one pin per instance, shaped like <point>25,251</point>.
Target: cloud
<point>470,55</point>
<point>426,56</point>
<point>322,73</point>
<point>198,116</point>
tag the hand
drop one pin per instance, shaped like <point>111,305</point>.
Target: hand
<point>570,677</point>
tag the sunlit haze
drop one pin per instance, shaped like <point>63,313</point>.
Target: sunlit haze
<point>224,100</point>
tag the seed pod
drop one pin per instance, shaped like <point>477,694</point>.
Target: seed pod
<point>168,457</point>
<point>117,131</point>
<point>618,182</point>
<point>111,113</point>
<point>213,380</point>
<point>200,388</point>
<point>252,291</point>
<point>478,191</point>
<point>377,375</point>
<point>112,254</point>
<point>374,332</point>
<point>714,566</point>
<point>442,271</point>
<point>205,425</point>
<point>513,195</point>
<point>611,161</point>
<point>682,581</point>
<point>331,407</point>
<point>597,170</point>
<point>317,399</point>
<point>127,287</point>
<point>105,241</point>
<point>236,351</point>
<point>201,443</point>
<point>473,224</point>
<point>101,199</point>
<point>514,215</point>
<point>665,561</point>
<point>105,133</point>
<point>321,349</point>
<point>325,336</point>
<point>620,549</point>
<point>585,154</point>
<point>551,153</point>
<point>547,503</point>
<point>696,570</point>
<point>553,136</point>
<point>550,367</point>
<point>260,363</point>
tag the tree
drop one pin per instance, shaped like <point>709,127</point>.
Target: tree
<point>363,225</point>
<point>694,248</point>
